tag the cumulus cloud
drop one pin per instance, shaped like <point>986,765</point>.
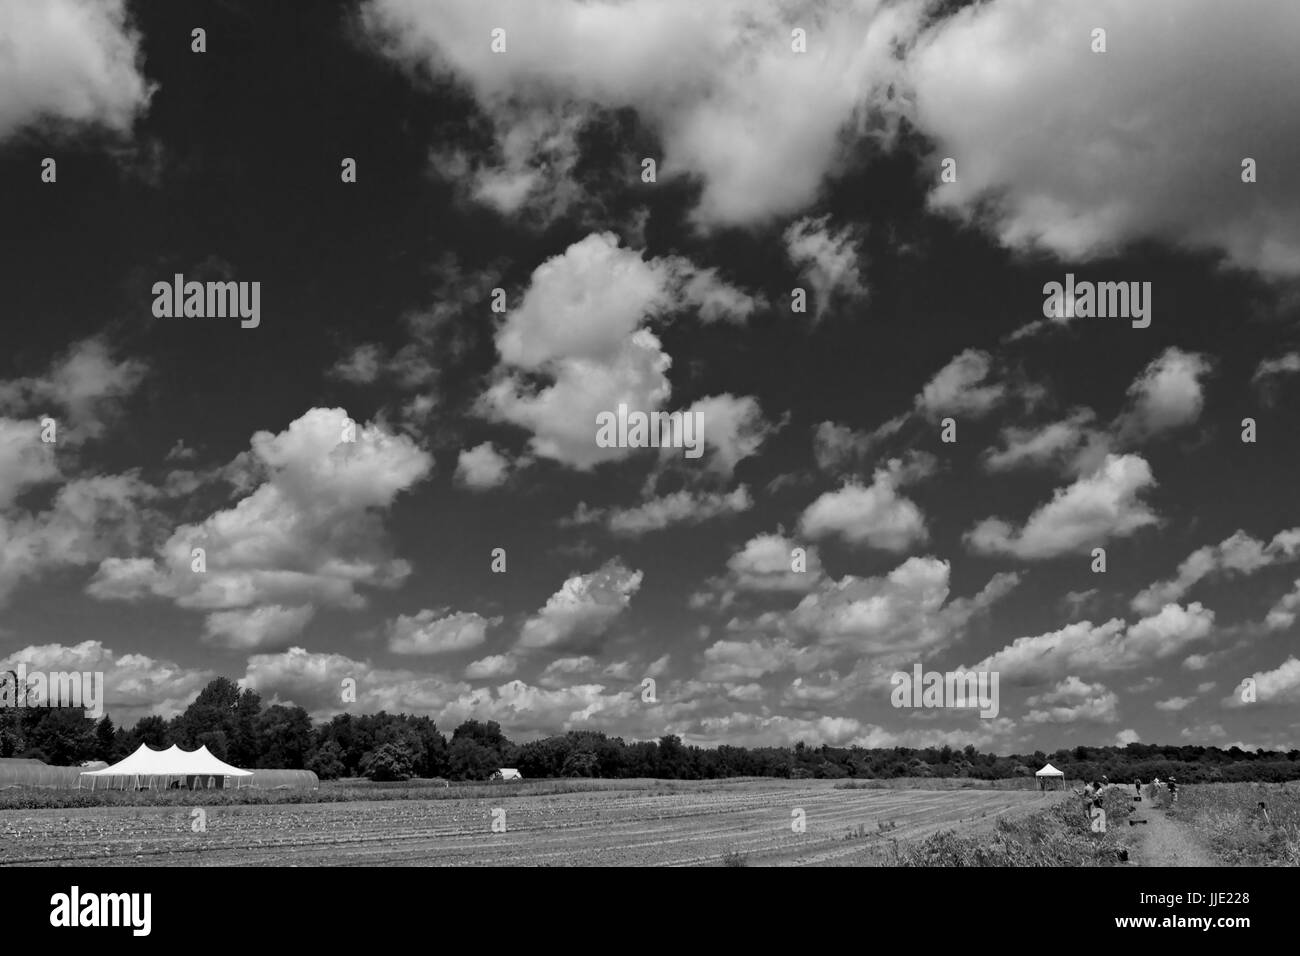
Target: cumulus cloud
<point>1167,395</point>
<point>965,386</point>
<point>1103,505</point>
<point>734,429</point>
<point>438,632</point>
<point>758,126</point>
<point>73,61</point>
<point>312,680</point>
<point>1073,701</point>
<point>88,520</point>
<point>491,667</point>
<point>1283,614</point>
<point>876,515</point>
<point>310,534</point>
<point>482,467</point>
<point>1239,554</point>
<point>1086,648</point>
<point>582,327</point>
<point>767,562</point>
<point>583,609</point>
<point>1055,150</point>
<point>259,627</point>
<point>135,685</point>
<point>1280,686</point>
<point>892,617</point>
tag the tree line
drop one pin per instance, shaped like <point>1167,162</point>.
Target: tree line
<point>235,726</point>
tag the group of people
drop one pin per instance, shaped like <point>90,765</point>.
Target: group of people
<point>1093,791</point>
<point>1171,785</point>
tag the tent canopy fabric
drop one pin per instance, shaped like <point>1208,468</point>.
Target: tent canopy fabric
<point>1049,771</point>
<point>172,762</point>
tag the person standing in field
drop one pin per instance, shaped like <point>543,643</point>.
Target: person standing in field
<point>1173,790</point>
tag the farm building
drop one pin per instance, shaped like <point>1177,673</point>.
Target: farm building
<point>507,773</point>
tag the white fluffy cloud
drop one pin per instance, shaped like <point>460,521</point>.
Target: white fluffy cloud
<point>583,326</point>
<point>69,60</point>
<point>1086,648</point>
<point>583,609</point>
<point>438,632</point>
<point>766,563</point>
<point>1283,614</point>
<point>892,616</point>
<point>310,534</point>
<point>482,467</point>
<point>1280,686</point>
<point>1167,395</point>
<point>135,685</point>
<point>1238,554</point>
<point>1073,701</point>
<point>88,520</point>
<point>876,515</point>
<point>259,627</point>
<point>1056,151</point>
<point>1103,505</point>
<point>758,125</point>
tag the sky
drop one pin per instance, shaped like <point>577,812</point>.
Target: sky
<point>826,232</point>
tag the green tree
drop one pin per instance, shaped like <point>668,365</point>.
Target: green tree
<point>390,762</point>
<point>106,740</point>
<point>326,761</point>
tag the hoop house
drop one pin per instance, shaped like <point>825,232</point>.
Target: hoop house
<point>285,780</point>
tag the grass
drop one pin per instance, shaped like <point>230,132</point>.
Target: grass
<point>1058,836</point>
<point>937,783</point>
<point>333,791</point>
<point>1229,819</point>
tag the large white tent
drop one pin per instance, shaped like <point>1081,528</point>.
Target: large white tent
<point>160,769</point>
<point>1049,773</point>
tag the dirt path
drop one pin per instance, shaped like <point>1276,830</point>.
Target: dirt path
<point>1166,842</point>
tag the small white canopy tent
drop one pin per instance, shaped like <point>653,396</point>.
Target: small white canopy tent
<point>1049,773</point>
<point>159,769</point>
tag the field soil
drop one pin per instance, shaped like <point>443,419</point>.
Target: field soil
<point>1167,842</point>
<point>704,823</point>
